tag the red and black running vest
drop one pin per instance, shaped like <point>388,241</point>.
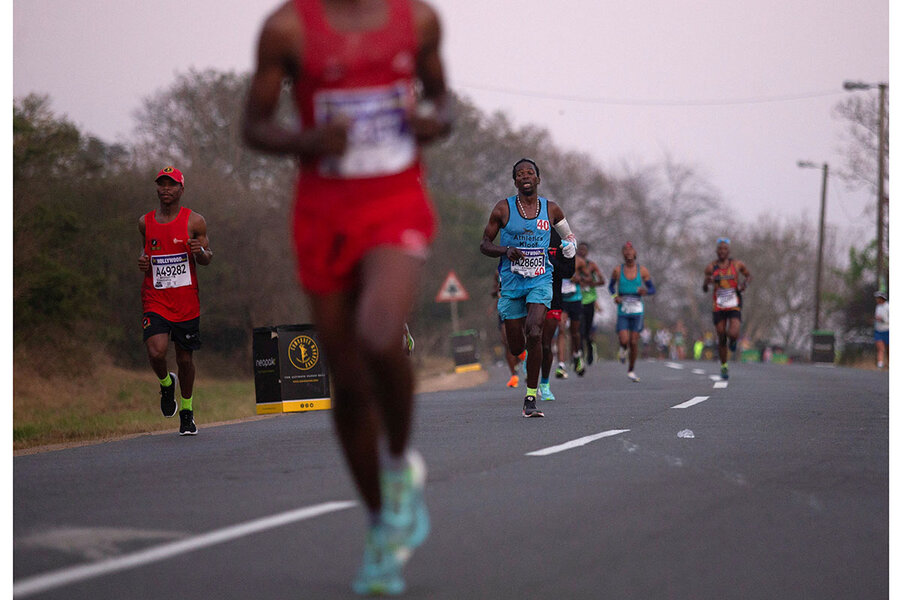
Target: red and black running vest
<point>725,293</point>
<point>170,286</point>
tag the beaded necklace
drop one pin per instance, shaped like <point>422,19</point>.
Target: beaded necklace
<point>522,209</point>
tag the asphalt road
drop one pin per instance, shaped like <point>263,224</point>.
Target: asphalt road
<point>775,486</point>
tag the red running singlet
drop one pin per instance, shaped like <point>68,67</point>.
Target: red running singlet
<point>725,293</point>
<point>372,194</point>
<point>170,286</point>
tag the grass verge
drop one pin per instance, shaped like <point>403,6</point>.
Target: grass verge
<point>115,402</point>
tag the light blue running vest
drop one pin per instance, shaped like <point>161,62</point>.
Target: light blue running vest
<point>629,287</point>
<point>524,233</point>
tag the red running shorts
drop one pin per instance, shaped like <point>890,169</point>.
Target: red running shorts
<point>337,222</point>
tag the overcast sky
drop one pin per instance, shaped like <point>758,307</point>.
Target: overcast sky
<point>740,90</point>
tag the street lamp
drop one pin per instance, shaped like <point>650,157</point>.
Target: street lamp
<point>803,164</point>
<point>882,88</point>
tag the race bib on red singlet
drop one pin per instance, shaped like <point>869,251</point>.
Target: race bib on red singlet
<point>170,271</point>
<point>531,265</point>
<point>380,140</point>
<point>727,298</point>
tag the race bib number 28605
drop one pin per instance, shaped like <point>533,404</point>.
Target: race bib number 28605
<point>530,265</point>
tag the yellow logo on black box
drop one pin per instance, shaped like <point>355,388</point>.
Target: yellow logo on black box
<point>303,352</point>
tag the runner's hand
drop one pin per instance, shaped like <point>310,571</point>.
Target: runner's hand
<point>429,123</point>
<point>514,254</point>
<point>195,246</point>
<point>568,248</point>
<point>331,138</point>
<point>144,262</point>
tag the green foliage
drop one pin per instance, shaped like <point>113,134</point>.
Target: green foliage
<point>77,201</point>
<point>857,303</point>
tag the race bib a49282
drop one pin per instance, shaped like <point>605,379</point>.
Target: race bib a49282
<point>170,270</point>
<point>530,265</point>
<point>380,139</point>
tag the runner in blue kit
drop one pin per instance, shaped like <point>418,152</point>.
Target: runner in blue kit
<point>633,281</point>
<point>523,222</point>
<point>571,305</point>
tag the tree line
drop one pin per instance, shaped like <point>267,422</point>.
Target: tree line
<point>77,200</point>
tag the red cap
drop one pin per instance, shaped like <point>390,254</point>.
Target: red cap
<point>172,173</point>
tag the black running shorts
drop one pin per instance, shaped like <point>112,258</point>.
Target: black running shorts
<point>724,315</point>
<point>186,334</point>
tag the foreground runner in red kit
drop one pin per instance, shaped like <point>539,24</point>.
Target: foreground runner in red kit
<point>362,227</point>
<point>175,242</point>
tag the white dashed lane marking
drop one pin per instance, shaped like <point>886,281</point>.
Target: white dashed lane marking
<point>63,577</point>
<point>692,402</point>
<point>576,443</point>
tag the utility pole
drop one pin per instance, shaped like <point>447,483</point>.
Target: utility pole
<point>821,246</point>
<point>824,166</point>
<point>880,276</point>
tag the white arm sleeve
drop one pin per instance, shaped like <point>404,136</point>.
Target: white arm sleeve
<point>563,229</point>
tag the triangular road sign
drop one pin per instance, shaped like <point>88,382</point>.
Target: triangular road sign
<point>451,290</point>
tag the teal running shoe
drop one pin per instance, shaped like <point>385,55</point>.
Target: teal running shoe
<point>546,394</point>
<point>724,371</point>
<point>381,570</point>
<point>403,510</point>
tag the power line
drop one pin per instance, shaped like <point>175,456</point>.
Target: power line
<point>646,102</point>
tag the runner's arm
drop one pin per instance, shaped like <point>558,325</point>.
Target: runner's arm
<point>276,60</point>
<point>434,114</point>
<point>743,270</point>
<point>596,275</point>
<point>199,242</point>
<point>499,217</point>
<point>143,260</point>
<point>558,218</point>
<point>613,279</point>
<point>650,289</point>
<point>707,277</point>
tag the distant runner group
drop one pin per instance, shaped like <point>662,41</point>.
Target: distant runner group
<point>547,290</point>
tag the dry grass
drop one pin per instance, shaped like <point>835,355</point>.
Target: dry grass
<point>113,402</point>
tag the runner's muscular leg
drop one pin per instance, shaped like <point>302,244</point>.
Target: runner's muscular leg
<point>547,333</point>
<point>354,413</point>
<point>635,342</point>
<point>389,280</point>
<point>723,341</point>
<point>624,337</point>
<point>515,335</point>
<point>186,371</point>
<point>157,348</point>
<point>534,327</point>
<point>734,328</point>
<point>575,331</point>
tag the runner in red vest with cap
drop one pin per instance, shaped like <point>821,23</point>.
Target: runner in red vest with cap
<point>175,242</point>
